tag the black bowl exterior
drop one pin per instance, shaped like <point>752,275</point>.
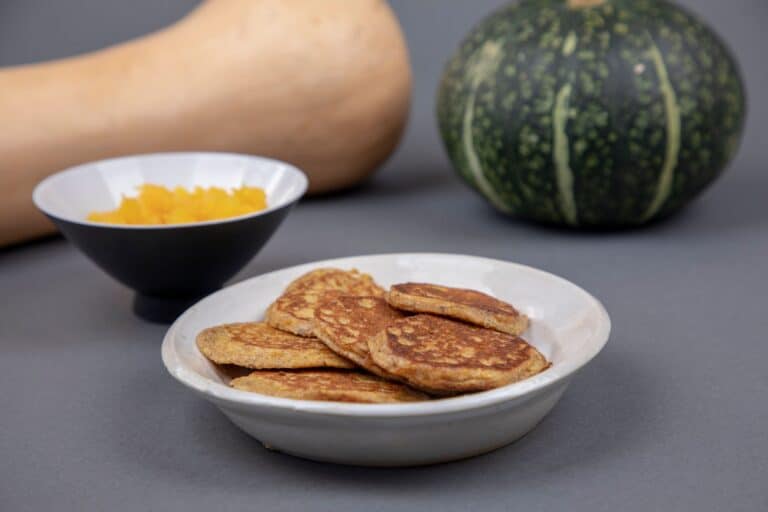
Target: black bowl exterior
<point>184,261</point>
<point>163,310</point>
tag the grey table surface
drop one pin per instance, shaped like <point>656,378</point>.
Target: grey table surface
<point>673,415</point>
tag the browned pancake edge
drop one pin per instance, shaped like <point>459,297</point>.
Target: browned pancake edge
<point>257,345</point>
<point>468,305</point>
<point>328,385</point>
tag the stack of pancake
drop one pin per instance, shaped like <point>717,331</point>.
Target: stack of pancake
<point>336,335</point>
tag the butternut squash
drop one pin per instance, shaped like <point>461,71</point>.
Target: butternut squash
<point>324,85</point>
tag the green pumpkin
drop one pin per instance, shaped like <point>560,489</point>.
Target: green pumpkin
<point>591,112</point>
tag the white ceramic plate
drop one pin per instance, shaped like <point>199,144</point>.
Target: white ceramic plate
<point>568,326</point>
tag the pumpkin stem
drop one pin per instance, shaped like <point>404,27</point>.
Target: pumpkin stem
<point>582,4</point>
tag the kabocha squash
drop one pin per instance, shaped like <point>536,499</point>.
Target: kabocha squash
<point>323,85</point>
<point>591,112</point>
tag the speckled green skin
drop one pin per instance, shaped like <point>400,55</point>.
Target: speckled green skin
<point>603,116</point>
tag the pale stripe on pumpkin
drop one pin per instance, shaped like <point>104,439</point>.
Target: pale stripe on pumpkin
<point>560,148</point>
<point>561,156</point>
<point>485,62</point>
<point>672,113</point>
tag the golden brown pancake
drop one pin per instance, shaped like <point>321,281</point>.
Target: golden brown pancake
<point>330,385</point>
<point>257,345</point>
<point>294,310</point>
<point>468,305</point>
<point>444,356</point>
<point>345,323</point>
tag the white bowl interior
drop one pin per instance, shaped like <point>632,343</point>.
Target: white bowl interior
<point>100,186</point>
<point>568,325</point>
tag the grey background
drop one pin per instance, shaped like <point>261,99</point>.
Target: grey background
<point>672,416</point>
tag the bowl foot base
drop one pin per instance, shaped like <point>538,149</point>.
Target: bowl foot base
<point>163,310</point>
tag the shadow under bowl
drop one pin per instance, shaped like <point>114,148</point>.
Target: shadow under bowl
<point>169,266</point>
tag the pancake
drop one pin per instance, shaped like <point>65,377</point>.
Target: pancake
<point>329,385</point>
<point>294,310</point>
<point>468,305</point>
<point>257,345</point>
<point>346,323</point>
<point>443,356</point>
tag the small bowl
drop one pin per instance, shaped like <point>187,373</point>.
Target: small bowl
<point>568,326</point>
<point>169,266</point>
